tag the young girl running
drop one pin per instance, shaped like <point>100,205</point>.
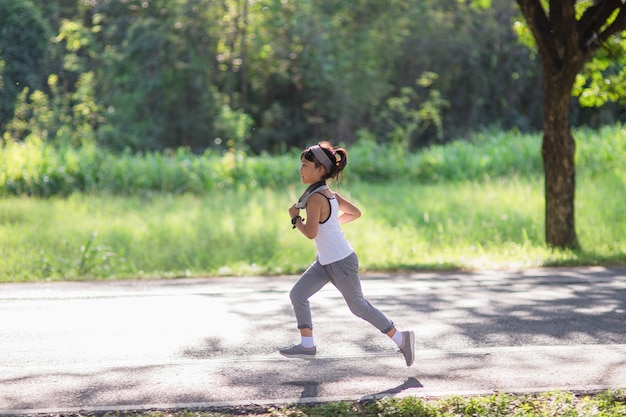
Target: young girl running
<point>336,261</point>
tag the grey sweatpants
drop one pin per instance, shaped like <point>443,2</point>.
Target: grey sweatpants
<point>344,275</point>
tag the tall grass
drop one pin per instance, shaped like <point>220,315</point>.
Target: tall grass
<point>484,155</point>
<point>491,224</point>
<point>231,217</point>
<point>33,168</point>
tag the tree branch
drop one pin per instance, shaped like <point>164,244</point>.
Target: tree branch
<point>618,25</point>
<point>594,18</point>
<point>541,29</point>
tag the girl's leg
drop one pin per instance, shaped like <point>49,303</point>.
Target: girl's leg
<point>313,279</point>
<point>309,283</point>
<point>345,276</point>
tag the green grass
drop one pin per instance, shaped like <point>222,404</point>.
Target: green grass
<point>471,204</point>
<point>610,403</point>
<point>553,404</point>
<point>489,224</point>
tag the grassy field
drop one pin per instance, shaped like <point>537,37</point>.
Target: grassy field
<point>495,224</point>
<point>471,204</point>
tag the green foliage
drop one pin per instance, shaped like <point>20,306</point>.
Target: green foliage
<point>552,404</point>
<point>344,60</point>
<point>235,126</point>
<point>484,74</point>
<point>158,82</point>
<point>500,155</point>
<point>36,168</point>
<point>603,79</point>
<point>403,124</point>
<point>269,76</point>
<point>61,119</point>
<point>23,47</point>
<point>39,168</point>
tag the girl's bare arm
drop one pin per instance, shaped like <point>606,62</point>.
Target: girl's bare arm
<point>310,226</point>
<point>350,212</point>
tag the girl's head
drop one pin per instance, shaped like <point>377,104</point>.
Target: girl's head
<point>325,155</point>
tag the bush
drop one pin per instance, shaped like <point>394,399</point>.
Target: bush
<point>24,37</point>
<point>37,168</point>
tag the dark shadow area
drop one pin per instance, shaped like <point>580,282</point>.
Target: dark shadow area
<point>411,382</point>
<point>550,308</point>
<point>310,389</point>
<point>209,349</point>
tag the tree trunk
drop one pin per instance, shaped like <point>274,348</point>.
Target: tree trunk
<point>558,150</point>
<point>565,44</point>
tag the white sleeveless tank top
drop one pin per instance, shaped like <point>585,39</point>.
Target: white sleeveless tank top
<point>332,246</point>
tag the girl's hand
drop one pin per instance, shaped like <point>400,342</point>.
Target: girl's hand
<point>293,211</point>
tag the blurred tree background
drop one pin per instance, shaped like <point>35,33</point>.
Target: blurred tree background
<point>268,75</point>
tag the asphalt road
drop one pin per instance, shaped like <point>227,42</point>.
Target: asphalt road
<point>204,343</point>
